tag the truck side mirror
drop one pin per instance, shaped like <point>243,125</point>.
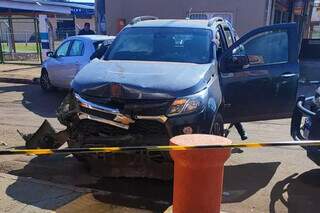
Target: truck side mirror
<point>239,50</point>
<point>235,63</point>
<point>239,61</point>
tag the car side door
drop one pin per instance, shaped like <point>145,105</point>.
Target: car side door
<point>57,64</point>
<point>76,60</point>
<point>259,74</point>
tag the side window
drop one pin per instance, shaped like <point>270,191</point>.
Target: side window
<point>76,48</point>
<point>228,36</point>
<point>266,48</point>
<point>63,49</point>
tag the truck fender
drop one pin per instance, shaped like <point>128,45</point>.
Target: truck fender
<point>213,110</point>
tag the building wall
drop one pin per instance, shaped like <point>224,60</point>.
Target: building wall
<point>247,14</point>
<point>79,22</point>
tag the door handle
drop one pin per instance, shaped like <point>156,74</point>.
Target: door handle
<point>288,75</point>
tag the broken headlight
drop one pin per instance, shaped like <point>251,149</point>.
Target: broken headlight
<point>188,104</point>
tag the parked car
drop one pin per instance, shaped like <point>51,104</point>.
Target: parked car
<point>162,78</point>
<point>69,58</point>
<point>305,123</point>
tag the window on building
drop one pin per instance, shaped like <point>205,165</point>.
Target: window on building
<point>198,16</point>
<point>277,16</point>
<point>285,17</point>
<point>314,30</point>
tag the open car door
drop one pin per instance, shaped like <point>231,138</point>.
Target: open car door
<point>259,74</point>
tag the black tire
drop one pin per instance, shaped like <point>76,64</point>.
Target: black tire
<point>218,125</point>
<point>45,81</point>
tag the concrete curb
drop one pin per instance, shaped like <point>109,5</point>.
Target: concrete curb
<point>19,80</point>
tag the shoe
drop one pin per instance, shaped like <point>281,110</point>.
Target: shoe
<point>244,137</point>
<point>236,151</point>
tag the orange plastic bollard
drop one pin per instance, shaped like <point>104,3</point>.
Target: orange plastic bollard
<point>198,174</point>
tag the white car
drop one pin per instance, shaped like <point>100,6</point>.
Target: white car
<point>70,57</point>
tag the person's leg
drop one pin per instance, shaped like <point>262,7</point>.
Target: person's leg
<point>241,131</point>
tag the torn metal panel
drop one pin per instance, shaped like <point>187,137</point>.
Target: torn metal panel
<point>45,137</point>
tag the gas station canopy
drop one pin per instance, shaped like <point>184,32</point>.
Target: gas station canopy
<point>41,6</point>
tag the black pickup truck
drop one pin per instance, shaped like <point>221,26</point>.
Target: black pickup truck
<point>162,78</point>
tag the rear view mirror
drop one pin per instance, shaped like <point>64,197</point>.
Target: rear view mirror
<point>50,54</point>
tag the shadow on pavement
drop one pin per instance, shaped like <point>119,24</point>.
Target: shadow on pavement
<point>58,169</point>
<point>35,100</point>
<point>147,193</point>
<point>243,181</point>
<point>151,194</point>
<point>38,194</point>
<point>298,193</point>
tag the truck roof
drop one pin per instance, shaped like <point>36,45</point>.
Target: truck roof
<point>183,23</point>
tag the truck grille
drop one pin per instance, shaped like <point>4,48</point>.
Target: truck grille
<point>134,107</point>
<point>143,127</point>
<point>140,133</point>
<point>148,128</point>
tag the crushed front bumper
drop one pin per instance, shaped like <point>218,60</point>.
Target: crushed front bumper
<point>139,129</point>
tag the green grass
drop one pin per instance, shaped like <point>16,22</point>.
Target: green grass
<point>26,48</point>
<point>21,47</point>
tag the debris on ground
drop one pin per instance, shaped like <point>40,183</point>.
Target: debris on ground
<point>45,137</point>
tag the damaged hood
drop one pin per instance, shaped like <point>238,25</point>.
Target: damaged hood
<point>141,79</point>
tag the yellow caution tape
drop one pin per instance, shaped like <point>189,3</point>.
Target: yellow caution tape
<point>151,148</point>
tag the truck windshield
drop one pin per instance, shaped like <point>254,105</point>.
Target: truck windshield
<point>189,45</point>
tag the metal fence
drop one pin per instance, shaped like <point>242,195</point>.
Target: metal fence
<point>19,40</point>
